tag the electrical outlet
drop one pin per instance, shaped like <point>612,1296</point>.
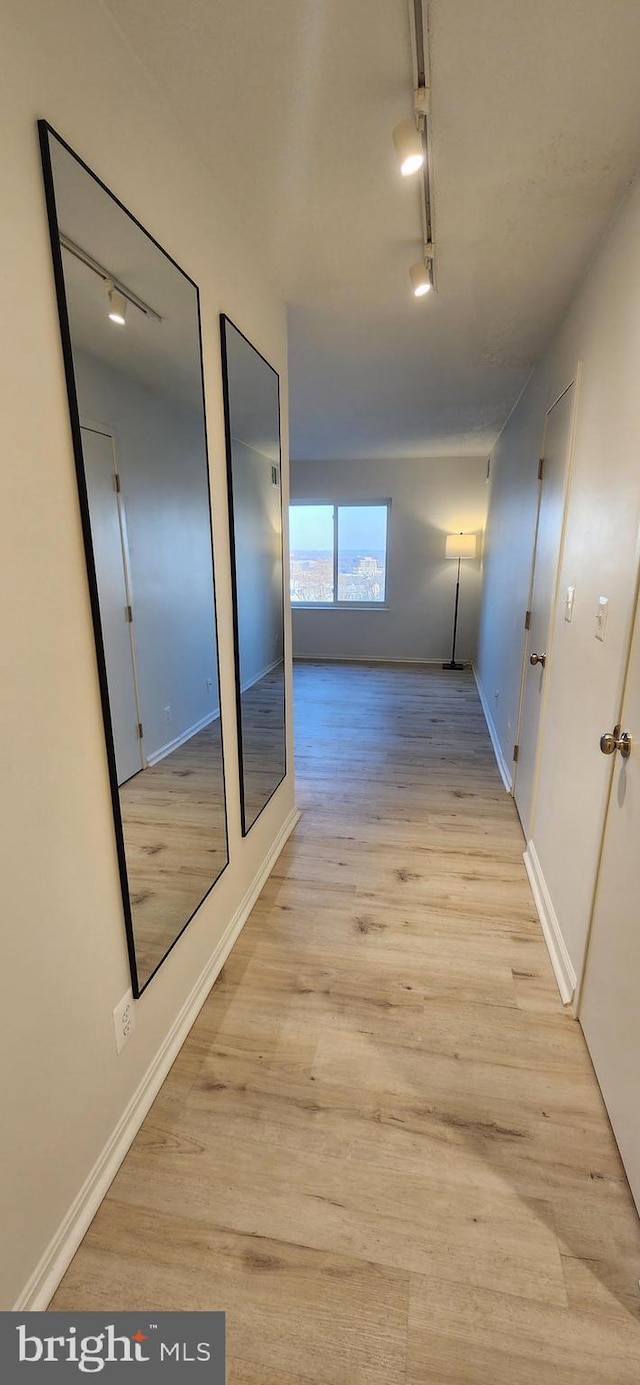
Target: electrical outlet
<point>209,684</point>
<point>167,712</point>
<point>124,1020</point>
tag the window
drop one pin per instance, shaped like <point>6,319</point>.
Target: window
<point>338,554</point>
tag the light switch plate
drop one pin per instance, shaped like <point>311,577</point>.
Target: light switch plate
<point>602,613</point>
<point>568,603</point>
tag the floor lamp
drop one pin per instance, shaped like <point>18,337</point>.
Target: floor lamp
<point>458,546</point>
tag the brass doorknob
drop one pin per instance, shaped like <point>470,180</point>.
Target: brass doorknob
<point>616,740</point>
<point>538,659</point>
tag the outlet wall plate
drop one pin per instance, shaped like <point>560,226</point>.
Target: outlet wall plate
<point>124,1020</point>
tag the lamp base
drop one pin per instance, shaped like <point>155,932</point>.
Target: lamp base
<point>452,665</point>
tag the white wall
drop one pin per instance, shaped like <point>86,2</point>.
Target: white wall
<point>258,528</point>
<point>583,677</point>
<point>64,964</point>
<point>429,499</point>
<point>160,452</point>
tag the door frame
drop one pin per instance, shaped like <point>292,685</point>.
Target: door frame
<point>92,426</point>
<point>575,381</point>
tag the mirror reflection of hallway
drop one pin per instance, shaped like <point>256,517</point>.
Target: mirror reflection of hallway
<point>130,329</point>
<point>252,416</point>
<point>169,812</point>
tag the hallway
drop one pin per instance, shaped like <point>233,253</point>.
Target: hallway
<point>382,1148</point>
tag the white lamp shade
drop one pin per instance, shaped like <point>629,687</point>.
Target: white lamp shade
<point>460,546</point>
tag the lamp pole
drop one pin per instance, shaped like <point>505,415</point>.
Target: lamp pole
<point>452,664</point>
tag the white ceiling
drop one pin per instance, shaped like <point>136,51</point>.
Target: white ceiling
<point>536,134</point>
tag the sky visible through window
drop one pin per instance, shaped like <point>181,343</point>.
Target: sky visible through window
<point>358,570</point>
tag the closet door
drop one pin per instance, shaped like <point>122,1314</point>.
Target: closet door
<point>555,470</point>
<point>610,1004</point>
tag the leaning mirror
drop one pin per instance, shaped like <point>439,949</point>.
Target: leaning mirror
<point>252,418</point>
<point>130,327</point>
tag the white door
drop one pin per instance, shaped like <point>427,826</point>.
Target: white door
<point>107,538</point>
<point>610,1002</point>
<point>557,450</point>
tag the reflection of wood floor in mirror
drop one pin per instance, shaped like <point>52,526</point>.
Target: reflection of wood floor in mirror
<point>263,734</point>
<point>382,1148</point>
<point>174,829</point>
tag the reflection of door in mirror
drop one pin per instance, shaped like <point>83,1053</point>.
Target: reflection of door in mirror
<point>131,338</point>
<point>252,415</point>
<point>109,535</point>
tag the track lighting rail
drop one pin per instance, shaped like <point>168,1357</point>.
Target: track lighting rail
<point>422,79</point>
<point>109,279</point>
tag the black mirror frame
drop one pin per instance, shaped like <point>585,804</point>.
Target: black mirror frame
<point>224,320</point>
<point>45,131</point>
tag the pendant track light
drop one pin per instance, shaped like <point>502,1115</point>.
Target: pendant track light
<point>412,141</point>
<point>117,306</point>
<point>420,276</point>
<point>409,147</point>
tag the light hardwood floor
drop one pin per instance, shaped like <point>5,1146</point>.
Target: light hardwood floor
<point>175,836</point>
<point>263,741</point>
<point>174,824</point>
<point>382,1148</point>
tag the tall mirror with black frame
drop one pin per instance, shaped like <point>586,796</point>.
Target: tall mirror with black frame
<point>130,328</point>
<point>252,417</point>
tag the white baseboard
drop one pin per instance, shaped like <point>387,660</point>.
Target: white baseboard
<point>57,1257</point>
<point>505,771</point>
<point>170,746</point>
<point>560,959</point>
<point>369,659</point>
<point>250,683</point>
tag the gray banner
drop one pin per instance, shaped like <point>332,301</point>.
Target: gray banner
<point>173,1348</point>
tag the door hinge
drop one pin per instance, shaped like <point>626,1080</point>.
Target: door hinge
<point>516,751</point>
<point>128,614</point>
<point>116,481</point>
<point>140,733</point>
<point>540,468</point>
<point>527,619</point>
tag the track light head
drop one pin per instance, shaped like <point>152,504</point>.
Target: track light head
<point>420,276</point>
<point>117,306</point>
<point>409,147</point>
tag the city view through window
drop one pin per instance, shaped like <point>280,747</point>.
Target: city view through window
<point>338,553</point>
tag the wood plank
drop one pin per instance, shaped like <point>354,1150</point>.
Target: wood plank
<point>383,1148</point>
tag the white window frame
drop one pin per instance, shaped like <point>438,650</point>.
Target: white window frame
<point>337,605</point>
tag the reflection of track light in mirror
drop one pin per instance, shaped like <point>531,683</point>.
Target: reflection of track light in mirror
<point>119,298</point>
<point>117,306</point>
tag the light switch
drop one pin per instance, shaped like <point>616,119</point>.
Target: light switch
<point>602,613</point>
<point>568,603</point>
